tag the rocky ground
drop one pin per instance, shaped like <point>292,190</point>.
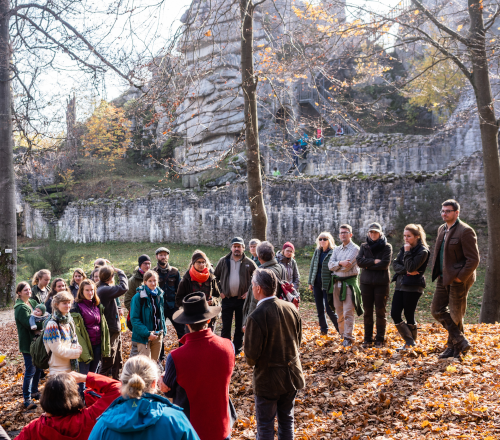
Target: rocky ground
<point>352,394</point>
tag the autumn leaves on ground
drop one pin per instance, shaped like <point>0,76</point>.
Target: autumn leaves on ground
<point>354,393</point>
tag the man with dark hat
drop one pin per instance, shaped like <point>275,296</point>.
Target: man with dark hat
<point>205,401</point>
<point>234,275</point>
<point>169,279</point>
<point>133,283</point>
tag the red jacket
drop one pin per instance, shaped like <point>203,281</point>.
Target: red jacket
<point>76,426</point>
<point>208,395</point>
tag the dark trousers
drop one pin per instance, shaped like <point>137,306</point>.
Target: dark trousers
<point>112,365</point>
<point>31,377</point>
<point>266,411</point>
<point>404,302</point>
<point>322,306</point>
<point>232,306</point>
<point>374,297</point>
<point>449,305</point>
<point>91,366</point>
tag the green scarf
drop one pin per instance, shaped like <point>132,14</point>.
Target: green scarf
<point>68,319</point>
<point>352,282</point>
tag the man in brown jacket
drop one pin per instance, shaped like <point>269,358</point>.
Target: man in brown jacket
<point>234,275</point>
<point>454,264</point>
<point>272,339</point>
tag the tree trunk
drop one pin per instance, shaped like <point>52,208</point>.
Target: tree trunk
<point>249,86</point>
<point>8,224</point>
<point>490,308</point>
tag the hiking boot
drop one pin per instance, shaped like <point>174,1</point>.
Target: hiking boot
<point>414,331</point>
<point>347,343</point>
<point>29,404</point>
<point>379,344</point>
<point>36,395</point>
<point>324,333</point>
<point>448,353</point>
<point>463,346</point>
<point>367,344</point>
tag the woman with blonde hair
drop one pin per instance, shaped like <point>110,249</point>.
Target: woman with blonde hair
<point>76,279</point>
<point>40,283</point>
<point>141,414</point>
<point>409,266</point>
<point>319,280</point>
<point>59,336</point>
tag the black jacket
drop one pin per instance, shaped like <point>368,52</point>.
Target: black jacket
<point>374,274</point>
<point>415,259</point>
<point>107,295</point>
<point>210,288</point>
<point>169,278</point>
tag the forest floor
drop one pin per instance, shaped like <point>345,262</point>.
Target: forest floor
<point>355,393</point>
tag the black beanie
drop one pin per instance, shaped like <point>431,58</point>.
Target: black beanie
<point>143,258</point>
<point>197,255</point>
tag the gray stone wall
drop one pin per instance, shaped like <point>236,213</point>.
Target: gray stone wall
<point>298,209</point>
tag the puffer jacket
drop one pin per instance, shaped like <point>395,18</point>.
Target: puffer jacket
<point>325,272</point>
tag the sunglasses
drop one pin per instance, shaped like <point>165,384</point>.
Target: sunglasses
<point>323,239</point>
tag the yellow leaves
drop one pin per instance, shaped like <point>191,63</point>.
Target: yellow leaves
<point>268,49</point>
<point>417,12</point>
<point>336,415</point>
<point>451,368</point>
<point>208,33</point>
<point>425,424</point>
<point>459,28</point>
<point>378,363</point>
<point>261,45</point>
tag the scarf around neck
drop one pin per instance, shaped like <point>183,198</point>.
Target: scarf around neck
<point>152,292</point>
<point>199,277</point>
<point>68,319</point>
<point>377,245</point>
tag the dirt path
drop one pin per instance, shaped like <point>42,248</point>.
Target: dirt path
<point>6,316</point>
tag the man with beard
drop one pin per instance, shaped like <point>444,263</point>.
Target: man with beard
<point>169,282</point>
<point>234,275</point>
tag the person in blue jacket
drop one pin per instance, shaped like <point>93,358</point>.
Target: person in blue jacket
<point>147,316</point>
<point>140,414</point>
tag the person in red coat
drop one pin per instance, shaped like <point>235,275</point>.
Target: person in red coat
<point>65,417</point>
<point>205,401</point>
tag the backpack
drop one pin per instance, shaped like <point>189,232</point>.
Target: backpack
<point>285,287</point>
<point>129,322</point>
<point>38,352</point>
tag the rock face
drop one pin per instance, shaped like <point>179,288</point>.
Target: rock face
<point>297,209</point>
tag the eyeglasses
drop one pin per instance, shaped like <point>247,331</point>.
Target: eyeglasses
<point>344,233</point>
<point>323,239</point>
<point>447,211</point>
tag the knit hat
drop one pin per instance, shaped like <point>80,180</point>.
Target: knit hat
<point>143,258</point>
<point>289,245</point>
<point>237,240</point>
<point>375,227</point>
<point>162,249</point>
<point>42,308</point>
<point>197,255</point>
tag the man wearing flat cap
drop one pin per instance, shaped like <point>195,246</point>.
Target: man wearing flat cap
<point>234,275</point>
<point>197,375</point>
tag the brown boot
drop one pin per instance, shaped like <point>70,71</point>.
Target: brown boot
<point>405,332</point>
<point>448,353</point>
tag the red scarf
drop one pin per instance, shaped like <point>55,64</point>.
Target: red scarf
<point>199,277</point>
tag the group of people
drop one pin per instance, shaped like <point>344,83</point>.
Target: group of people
<point>81,327</point>
<point>340,291</point>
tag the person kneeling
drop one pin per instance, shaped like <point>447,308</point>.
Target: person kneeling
<point>65,415</point>
<point>140,414</point>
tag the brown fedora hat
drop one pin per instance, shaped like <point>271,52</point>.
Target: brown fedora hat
<point>195,309</point>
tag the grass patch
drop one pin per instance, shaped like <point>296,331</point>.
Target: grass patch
<point>124,256</point>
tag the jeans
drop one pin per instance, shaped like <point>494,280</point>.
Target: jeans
<point>449,304</point>
<point>112,365</point>
<point>266,411</point>
<point>230,306</point>
<point>91,366</point>
<point>404,302</point>
<point>31,377</point>
<point>321,300</point>
<point>374,296</point>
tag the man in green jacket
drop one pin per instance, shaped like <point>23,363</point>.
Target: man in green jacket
<point>272,340</point>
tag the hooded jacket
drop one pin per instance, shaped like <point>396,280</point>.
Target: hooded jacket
<point>151,417</point>
<point>75,426</point>
<point>22,315</point>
